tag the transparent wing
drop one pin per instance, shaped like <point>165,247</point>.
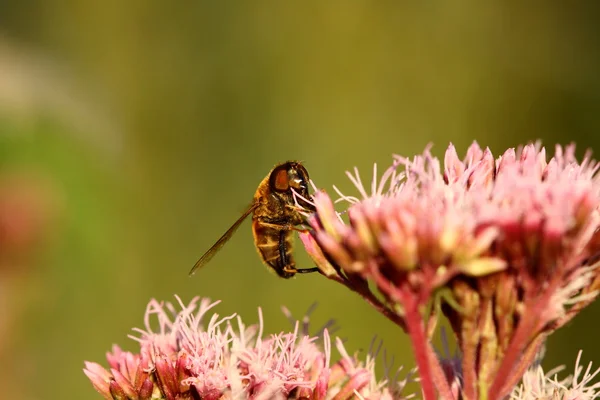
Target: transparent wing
<point>222,240</point>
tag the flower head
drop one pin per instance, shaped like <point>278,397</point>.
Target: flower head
<point>537,384</point>
<point>506,247</point>
<point>183,357</point>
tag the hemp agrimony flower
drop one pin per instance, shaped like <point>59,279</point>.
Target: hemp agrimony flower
<point>537,384</point>
<point>185,357</point>
<point>506,248</point>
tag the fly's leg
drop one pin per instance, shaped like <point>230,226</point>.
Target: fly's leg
<point>285,227</point>
<point>307,270</point>
<point>286,266</point>
<point>301,210</point>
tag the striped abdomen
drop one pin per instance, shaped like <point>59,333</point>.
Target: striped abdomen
<point>274,244</point>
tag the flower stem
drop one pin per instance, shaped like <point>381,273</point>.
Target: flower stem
<point>469,344</point>
<point>416,331</point>
<point>524,363</point>
<point>517,349</point>
<point>438,376</point>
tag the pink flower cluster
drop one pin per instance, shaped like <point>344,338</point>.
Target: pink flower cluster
<point>537,384</point>
<point>183,357</point>
<point>506,248</point>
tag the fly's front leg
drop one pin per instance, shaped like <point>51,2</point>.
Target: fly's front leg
<point>302,210</point>
<point>284,227</point>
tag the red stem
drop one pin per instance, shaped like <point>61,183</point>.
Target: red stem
<point>420,344</point>
<point>430,370</point>
<point>438,375</point>
<point>528,327</point>
<point>524,363</point>
<point>469,364</point>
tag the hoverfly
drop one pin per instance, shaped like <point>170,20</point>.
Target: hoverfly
<point>275,217</point>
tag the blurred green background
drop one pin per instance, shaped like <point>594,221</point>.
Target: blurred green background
<point>132,134</point>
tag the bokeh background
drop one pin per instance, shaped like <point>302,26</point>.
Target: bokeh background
<point>132,134</point>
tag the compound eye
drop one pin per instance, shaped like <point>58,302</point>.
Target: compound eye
<point>281,181</point>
